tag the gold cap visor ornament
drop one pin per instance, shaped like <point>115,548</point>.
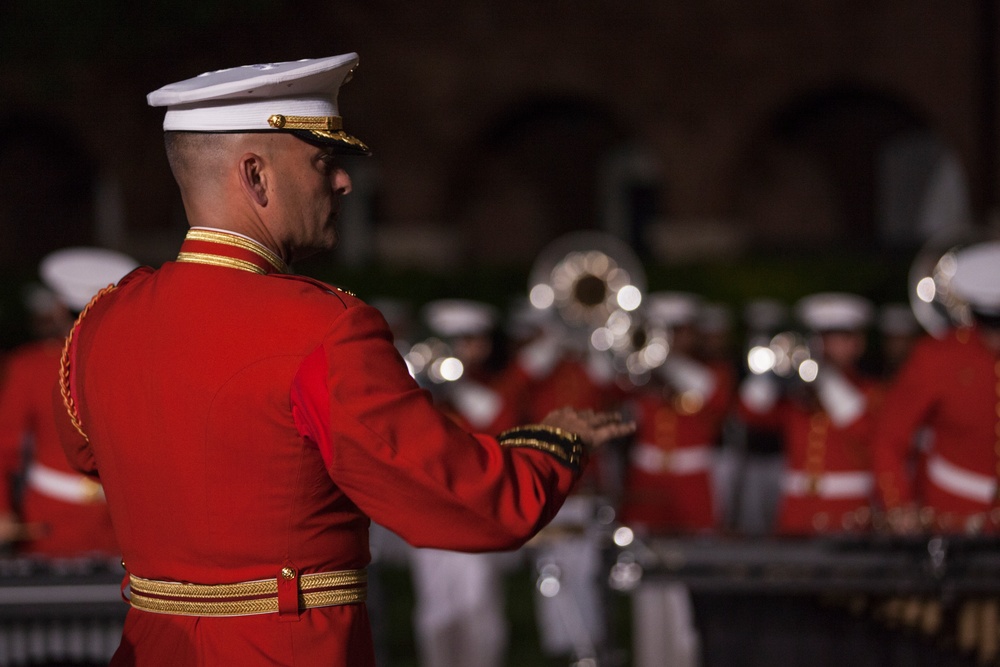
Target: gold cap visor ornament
<point>298,97</point>
<point>321,130</point>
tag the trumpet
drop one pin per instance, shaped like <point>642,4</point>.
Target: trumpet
<point>787,355</point>
<point>432,362</point>
<point>595,284</point>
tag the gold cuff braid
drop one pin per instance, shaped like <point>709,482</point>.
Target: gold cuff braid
<point>565,446</point>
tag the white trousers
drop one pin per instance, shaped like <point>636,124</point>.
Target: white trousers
<point>459,613</point>
<point>664,634</point>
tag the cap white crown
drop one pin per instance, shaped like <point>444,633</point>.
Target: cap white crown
<point>832,311</point>
<point>77,274</point>
<point>671,309</point>
<point>977,277</point>
<point>261,97</point>
<point>460,317</point>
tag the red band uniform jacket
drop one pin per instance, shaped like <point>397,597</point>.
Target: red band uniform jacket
<point>827,484</point>
<point>668,485</point>
<point>244,422</point>
<point>952,387</point>
<point>69,506</point>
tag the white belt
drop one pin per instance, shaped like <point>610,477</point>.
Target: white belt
<point>66,486</point>
<point>830,485</point>
<point>680,461</point>
<point>961,482</point>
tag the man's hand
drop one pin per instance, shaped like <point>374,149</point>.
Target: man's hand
<point>12,530</point>
<point>594,428</point>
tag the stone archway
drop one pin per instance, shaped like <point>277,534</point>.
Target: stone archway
<point>846,166</point>
<point>532,175</point>
<point>48,191</point>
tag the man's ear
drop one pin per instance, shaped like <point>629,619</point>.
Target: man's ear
<point>252,178</point>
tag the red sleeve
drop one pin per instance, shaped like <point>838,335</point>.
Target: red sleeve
<point>74,444</point>
<point>907,404</point>
<point>15,419</point>
<point>404,463</point>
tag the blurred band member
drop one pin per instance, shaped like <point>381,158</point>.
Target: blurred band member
<point>459,614</point>
<point>63,512</point>
<point>824,414</point>
<point>951,386</point>
<point>899,331</point>
<point>668,487</point>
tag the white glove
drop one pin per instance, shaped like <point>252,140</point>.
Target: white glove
<point>759,393</point>
<point>478,404</point>
<point>841,399</point>
<point>600,368</point>
<point>539,357</point>
<point>687,375</point>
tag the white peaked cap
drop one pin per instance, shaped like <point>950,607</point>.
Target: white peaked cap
<point>77,274</point>
<point>977,277</point>
<point>297,96</point>
<point>460,317</point>
<point>835,311</point>
<point>671,309</point>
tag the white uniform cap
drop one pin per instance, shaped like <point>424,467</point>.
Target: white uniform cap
<point>897,319</point>
<point>460,317</point>
<point>672,309</point>
<point>835,311</point>
<point>977,277</point>
<point>77,274</point>
<point>298,97</point>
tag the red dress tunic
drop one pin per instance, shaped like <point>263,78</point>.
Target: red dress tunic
<point>69,505</point>
<point>827,484</point>
<point>952,387</point>
<point>243,422</point>
<point>668,478</point>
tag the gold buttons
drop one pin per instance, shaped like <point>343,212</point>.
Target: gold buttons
<point>287,573</point>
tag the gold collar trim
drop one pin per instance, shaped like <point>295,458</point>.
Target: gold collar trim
<point>241,242</point>
<point>219,260</point>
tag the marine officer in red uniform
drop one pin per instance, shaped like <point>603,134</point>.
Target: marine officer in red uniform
<point>247,423</point>
<point>825,419</point>
<point>950,389</point>
<point>63,513</point>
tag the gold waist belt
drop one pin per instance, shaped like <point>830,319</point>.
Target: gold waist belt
<point>323,589</point>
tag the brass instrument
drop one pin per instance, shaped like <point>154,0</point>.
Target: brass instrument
<point>934,305</point>
<point>787,355</point>
<point>595,284</point>
<point>432,362</point>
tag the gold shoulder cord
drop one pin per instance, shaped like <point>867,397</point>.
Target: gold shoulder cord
<point>64,366</point>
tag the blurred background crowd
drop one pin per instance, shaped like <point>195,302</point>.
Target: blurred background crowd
<point>714,217</point>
